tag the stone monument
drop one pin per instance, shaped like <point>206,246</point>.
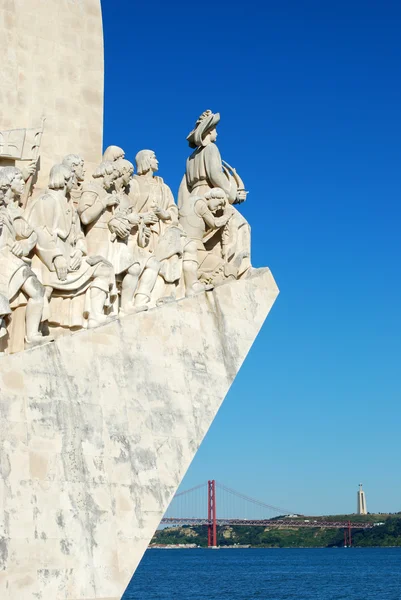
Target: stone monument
<point>124,317</point>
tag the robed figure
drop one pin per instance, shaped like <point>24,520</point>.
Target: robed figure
<point>78,286</point>
<point>152,196</point>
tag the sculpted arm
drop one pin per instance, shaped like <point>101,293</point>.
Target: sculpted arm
<point>25,235</point>
<point>202,210</point>
<point>169,212</point>
<point>90,207</point>
<point>81,242</point>
<point>214,170</point>
<point>42,218</point>
<point>80,247</point>
<point>211,221</point>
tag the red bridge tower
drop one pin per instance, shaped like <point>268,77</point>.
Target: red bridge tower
<point>211,514</point>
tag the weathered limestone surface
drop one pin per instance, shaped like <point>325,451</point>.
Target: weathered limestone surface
<point>52,66</point>
<point>98,429</point>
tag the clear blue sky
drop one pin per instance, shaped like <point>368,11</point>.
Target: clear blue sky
<point>310,97</point>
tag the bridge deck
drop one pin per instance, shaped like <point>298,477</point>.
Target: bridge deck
<point>271,523</point>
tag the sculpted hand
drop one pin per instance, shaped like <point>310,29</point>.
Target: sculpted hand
<point>76,260</point>
<point>29,170</point>
<point>119,227</point>
<point>162,214</point>
<point>17,249</point>
<point>221,221</point>
<point>61,267</point>
<point>241,196</point>
<point>112,200</point>
<point>149,218</point>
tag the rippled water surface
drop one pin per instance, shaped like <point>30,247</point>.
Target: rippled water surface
<point>268,574</point>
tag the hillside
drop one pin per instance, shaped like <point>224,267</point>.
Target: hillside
<point>388,534</point>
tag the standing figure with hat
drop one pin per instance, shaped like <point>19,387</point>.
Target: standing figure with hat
<point>206,170</point>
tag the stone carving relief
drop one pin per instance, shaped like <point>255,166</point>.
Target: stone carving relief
<point>155,201</point>
<point>205,170</point>
<point>197,217</point>
<point>78,286</point>
<point>86,251</point>
<point>19,286</point>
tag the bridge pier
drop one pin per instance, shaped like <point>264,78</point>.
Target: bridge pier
<point>348,536</point>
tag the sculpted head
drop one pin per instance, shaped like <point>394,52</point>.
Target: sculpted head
<point>146,161</point>
<point>4,187</point>
<point>216,199</point>
<point>77,165</point>
<point>108,172</point>
<point>113,153</point>
<point>204,131</point>
<point>15,180</point>
<point>125,171</point>
<point>61,178</point>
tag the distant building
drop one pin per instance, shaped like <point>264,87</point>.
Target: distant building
<point>361,502</point>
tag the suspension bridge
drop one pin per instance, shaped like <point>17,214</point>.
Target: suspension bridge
<point>198,506</point>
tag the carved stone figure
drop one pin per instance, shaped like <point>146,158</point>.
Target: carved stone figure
<point>118,234</point>
<point>77,165</point>
<point>205,170</point>
<point>111,227</point>
<point>197,217</point>
<point>165,240</point>
<point>96,208</point>
<point>19,286</point>
<point>141,277</point>
<point>78,285</point>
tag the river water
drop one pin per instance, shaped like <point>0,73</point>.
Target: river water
<point>268,574</point>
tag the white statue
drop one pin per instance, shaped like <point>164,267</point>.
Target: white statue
<point>81,284</point>
<point>141,277</point>
<point>111,227</point>
<point>205,170</point>
<point>96,208</point>
<point>165,240</point>
<point>197,217</point>
<point>83,251</point>
<point>19,286</point>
